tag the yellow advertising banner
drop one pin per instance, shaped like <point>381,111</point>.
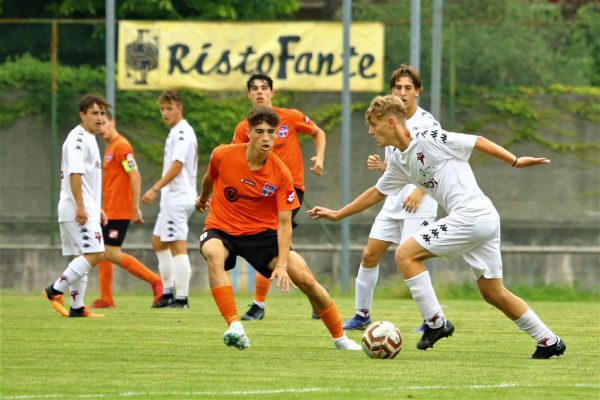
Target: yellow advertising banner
<point>303,56</point>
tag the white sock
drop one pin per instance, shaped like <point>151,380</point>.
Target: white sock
<point>77,268</point>
<point>422,292</point>
<point>532,324</point>
<point>237,325</point>
<point>261,304</point>
<point>77,290</point>
<point>165,267</point>
<point>182,272</point>
<point>364,287</point>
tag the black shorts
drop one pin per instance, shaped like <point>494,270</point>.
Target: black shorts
<point>114,232</point>
<point>258,249</point>
<point>300,195</point>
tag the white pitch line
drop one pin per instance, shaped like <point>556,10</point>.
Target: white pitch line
<point>293,390</point>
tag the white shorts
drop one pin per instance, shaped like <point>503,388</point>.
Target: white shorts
<point>397,230</point>
<point>81,239</point>
<point>478,242</point>
<point>172,222</point>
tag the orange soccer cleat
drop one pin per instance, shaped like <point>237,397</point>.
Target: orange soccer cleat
<point>56,301</point>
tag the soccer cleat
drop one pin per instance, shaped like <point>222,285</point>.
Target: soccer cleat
<point>164,301</point>
<point>56,301</point>
<point>83,312</point>
<point>420,328</point>
<point>101,303</point>
<point>430,336</point>
<point>157,288</point>
<point>254,313</point>
<point>357,323</point>
<point>345,343</point>
<point>236,337</point>
<point>557,349</point>
<point>179,303</point>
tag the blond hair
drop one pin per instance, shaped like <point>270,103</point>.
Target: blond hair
<point>383,105</point>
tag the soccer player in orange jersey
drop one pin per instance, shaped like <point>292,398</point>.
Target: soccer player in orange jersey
<point>251,216</point>
<point>121,203</point>
<point>286,147</point>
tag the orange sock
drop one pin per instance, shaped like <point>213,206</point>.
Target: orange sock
<point>225,300</point>
<point>137,269</point>
<point>105,276</point>
<point>331,318</point>
<point>261,287</point>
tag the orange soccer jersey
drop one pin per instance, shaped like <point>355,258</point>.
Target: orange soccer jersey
<point>287,143</point>
<point>247,202</point>
<point>117,200</point>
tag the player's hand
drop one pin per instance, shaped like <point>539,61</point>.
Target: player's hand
<point>317,167</point>
<point>149,196</point>
<point>81,215</point>
<point>322,212</point>
<point>103,218</point>
<point>374,162</point>
<point>524,162</point>
<point>412,202</point>
<point>137,216</point>
<point>280,274</point>
<point>202,205</point>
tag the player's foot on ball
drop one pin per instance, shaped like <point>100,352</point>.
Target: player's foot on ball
<point>101,303</point>
<point>179,303</point>
<point>56,300</point>
<point>345,343</point>
<point>254,313</point>
<point>236,337</point>
<point>357,323</point>
<point>557,349</point>
<point>430,336</point>
<point>164,301</point>
<point>83,312</point>
<point>157,288</point>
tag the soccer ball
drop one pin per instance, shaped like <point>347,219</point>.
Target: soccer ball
<point>382,340</point>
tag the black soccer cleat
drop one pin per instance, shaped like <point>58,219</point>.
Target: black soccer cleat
<point>543,352</point>
<point>165,301</point>
<point>179,303</point>
<point>430,336</point>
<point>254,313</point>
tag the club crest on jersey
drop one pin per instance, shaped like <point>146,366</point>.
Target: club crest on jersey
<point>268,190</point>
<point>283,131</point>
<point>108,157</point>
<point>421,158</point>
<point>290,195</point>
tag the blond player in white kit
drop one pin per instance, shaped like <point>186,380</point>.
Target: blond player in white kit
<point>437,161</point>
<point>177,187</point>
<point>79,212</point>
<point>402,214</point>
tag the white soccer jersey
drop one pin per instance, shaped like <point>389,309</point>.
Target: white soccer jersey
<point>393,205</point>
<point>80,155</point>
<point>437,162</point>
<point>181,145</point>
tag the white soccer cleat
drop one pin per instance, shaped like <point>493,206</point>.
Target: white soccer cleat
<point>345,343</point>
<point>236,336</point>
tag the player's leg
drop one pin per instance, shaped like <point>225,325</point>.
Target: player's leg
<point>182,268</point>
<point>105,278</point>
<point>165,259</point>
<point>218,258</point>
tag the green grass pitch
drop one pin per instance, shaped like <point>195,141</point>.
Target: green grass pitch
<point>141,353</point>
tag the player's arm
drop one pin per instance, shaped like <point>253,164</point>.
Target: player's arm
<point>284,243</point>
<point>365,200</point>
<point>77,190</point>
<point>486,146</point>
<point>172,172</point>
<point>320,142</point>
<point>135,181</point>
<point>203,201</point>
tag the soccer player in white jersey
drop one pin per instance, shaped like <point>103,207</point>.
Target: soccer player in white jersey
<point>402,214</point>
<point>437,161</point>
<point>79,212</point>
<point>177,188</point>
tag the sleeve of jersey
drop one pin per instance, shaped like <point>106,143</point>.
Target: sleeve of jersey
<point>124,155</point>
<point>302,122</point>
<point>240,135</point>
<point>213,165</point>
<point>76,155</point>
<point>181,147</point>
<point>393,179</point>
<point>459,145</point>
<point>287,199</point>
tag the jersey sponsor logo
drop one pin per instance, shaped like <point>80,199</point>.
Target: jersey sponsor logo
<point>247,182</point>
<point>290,195</point>
<point>98,164</point>
<point>113,233</point>
<point>430,184</point>
<point>421,158</point>
<point>232,195</point>
<point>268,189</point>
<point>203,236</point>
<point>283,131</point>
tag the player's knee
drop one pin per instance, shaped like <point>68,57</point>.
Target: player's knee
<point>369,258</point>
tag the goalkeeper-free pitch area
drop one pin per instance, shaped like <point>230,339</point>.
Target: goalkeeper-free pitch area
<point>141,353</point>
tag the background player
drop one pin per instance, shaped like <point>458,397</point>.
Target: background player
<point>438,162</point>
<point>79,213</point>
<point>402,214</point>
<point>287,147</point>
<point>251,216</point>
<point>121,185</point>
<point>177,187</point>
